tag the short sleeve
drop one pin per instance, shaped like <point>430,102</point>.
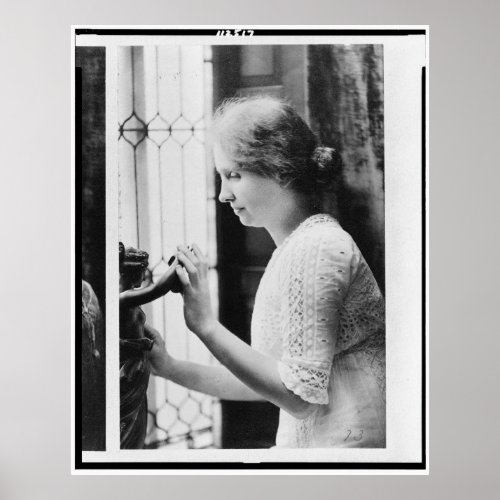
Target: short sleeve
<point>314,281</point>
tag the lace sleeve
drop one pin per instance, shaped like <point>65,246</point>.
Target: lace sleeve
<point>314,280</point>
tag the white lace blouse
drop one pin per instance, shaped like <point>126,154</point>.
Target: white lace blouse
<point>319,312</point>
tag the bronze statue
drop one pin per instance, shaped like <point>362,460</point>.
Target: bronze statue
<point>134,345</point>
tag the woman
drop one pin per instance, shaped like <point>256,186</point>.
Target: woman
<point>317,329</point>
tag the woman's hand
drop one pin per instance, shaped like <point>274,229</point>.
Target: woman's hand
<point>198,312</point>
<point>158,355</point>
<point>168,281</point>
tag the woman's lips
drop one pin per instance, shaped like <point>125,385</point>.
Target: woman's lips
<point>238,210</point>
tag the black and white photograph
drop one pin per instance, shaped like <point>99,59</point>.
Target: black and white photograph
<point>250,220</point>
<point>278,220</point>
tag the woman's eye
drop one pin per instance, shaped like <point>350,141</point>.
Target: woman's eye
<point>233,175</point>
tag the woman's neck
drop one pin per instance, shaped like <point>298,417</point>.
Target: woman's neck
<point>289,218</point>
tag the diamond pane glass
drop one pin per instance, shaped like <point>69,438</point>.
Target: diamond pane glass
<point>164,104</point>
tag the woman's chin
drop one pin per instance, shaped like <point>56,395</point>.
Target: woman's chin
<point>246,221</point>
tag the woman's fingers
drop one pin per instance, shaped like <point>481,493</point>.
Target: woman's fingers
<point>152,334</point>
<point>187,263</point>
<point>187,251</point>
<point>182,276</point>
<point>151,331</point>
<point>197,252</point>
<point>194,260</point>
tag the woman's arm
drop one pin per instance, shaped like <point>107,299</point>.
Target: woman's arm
<point>216,381</point>
<point>257,371</point>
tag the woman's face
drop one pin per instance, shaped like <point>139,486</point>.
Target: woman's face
<point>256,200</point>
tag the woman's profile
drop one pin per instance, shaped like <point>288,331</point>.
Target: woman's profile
<point>318,324</point>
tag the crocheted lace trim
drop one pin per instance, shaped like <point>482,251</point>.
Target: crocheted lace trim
<point>309,383</point>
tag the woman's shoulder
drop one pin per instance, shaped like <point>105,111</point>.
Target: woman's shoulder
<point>325,232</point>
<point>319,241</point>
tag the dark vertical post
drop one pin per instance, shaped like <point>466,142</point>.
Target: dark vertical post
<point>91,240</point>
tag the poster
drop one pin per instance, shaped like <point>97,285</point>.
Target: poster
<point>147,178</point>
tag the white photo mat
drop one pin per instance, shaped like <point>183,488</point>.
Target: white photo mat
<point>404,58</point>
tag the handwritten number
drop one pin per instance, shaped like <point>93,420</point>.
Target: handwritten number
<point>356,438</point>
<point>359,437</point>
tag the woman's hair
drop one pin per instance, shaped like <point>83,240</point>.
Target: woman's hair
<point>266,136</point>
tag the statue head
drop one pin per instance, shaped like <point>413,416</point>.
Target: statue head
<point>133,264</point>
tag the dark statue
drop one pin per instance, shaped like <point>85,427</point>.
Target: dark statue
<point>134,344</point>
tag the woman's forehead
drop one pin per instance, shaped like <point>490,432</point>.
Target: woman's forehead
<point>223,162</point>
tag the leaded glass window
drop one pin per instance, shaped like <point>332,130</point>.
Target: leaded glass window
<point>167,197</point>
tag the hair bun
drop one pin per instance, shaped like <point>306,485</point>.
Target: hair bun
<point>325,157</point>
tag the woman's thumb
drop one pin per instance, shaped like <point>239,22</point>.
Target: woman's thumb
<point>150,332</point>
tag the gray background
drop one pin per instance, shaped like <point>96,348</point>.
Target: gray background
<point>35,221</point>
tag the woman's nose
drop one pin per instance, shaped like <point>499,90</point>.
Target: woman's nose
<point>225,194</point>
